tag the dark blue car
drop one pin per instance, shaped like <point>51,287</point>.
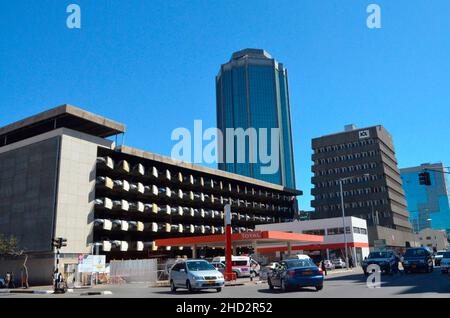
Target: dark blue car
<point>418,259</point>
<point>295,274</point>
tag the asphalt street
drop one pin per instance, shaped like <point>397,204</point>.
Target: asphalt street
<point>341,285</point>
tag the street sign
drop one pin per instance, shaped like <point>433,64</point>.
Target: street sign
<point>92,264</point>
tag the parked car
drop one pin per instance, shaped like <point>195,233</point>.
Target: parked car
<point>445,262</point>
<point>243,266</point>
<point>219,266</point>
<point>418,259</point>
<point>302,256</point>
<point>338,263</point>
<point>195,275</point>
<point>267,270</point>
<point>438,257</point>
<point>296,273</point>
<point>386,260</point>
<point>328,264</point>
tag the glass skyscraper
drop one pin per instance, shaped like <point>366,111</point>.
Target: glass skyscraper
<point>428,206</point>
<point>252,91</point>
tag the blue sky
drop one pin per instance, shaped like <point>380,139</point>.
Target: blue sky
<point>151,64</point>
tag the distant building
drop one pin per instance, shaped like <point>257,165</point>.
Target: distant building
<point>332,230</point>
<point>428,206</point>
<point>435,239</point>
<point>364,159</point>
<point>252,92</point>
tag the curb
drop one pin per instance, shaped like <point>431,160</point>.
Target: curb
<point>26,292</point>
<point>92,293</point>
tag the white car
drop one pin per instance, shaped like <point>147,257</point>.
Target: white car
<point>266,270</point>
<point>194,275</point>
<point>302,256</point>
<point>445,262</point>
<point>438,257</point>
<point>243,266</point>
<point>328,264</point>
<point>338,263</point>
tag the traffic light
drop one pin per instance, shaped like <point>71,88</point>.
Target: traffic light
<point>62,242</point>
<point>59,242</point>
<point>424,178</point>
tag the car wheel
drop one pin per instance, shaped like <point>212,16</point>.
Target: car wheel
<point>319,288</point>
<point>189,286</point>
<point>172,287</point>
<point>283,286</point>
<point>219,289</point>
<point>270,283</point>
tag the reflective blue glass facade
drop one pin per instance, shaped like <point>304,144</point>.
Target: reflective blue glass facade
<point>252,92</point>
<point>428,206</point>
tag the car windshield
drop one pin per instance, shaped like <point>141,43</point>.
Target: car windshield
<point>379,255</point>
<point>447,255</point>
<point>299,263</point>
<point>415,252</point>
<point>199,266</point>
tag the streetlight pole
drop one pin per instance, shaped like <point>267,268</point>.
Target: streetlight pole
<point>343,215</point>
<point>343,222</point>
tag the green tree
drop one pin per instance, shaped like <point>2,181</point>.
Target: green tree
<point>9,247</point>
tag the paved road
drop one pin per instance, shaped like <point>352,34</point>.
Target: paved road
<point>349,284</point>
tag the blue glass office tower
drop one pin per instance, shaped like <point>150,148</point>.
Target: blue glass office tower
<point>252,91</point>
<point>428,206</point>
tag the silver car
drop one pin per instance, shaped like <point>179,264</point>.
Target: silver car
<point>194,275</point>
<point>445,263</point>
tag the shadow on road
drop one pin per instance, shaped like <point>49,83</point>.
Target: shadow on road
<point>186,292</point>
<point>279,291</point>
<point>413,283</point>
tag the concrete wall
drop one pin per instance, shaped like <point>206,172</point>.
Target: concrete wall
<point>76,188</point>
<point>27,192</point>
<point>433,239</point>
<point>394,238</point>
<point>40,269</point>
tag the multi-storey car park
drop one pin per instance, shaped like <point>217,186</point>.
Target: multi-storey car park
<point>63,174</point>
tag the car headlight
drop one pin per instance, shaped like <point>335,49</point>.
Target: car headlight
<point>197,277</point>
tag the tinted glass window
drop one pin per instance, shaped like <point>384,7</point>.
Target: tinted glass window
<point>239,263</point>
<point>299,263</point>
<point>416,252</point>
<point>199,266</point>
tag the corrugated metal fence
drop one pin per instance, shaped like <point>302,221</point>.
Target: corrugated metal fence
<point>132,271</point>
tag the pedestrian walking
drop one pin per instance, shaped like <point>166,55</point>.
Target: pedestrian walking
<point>350,262</point>
<point>324,268</point>
<point>11,281</point>
<point>7,279</point>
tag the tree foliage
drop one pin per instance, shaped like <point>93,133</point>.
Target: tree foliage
<point>8,245</point>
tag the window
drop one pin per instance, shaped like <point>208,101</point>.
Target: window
<point>335,231</point>
<point>315,232</point>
